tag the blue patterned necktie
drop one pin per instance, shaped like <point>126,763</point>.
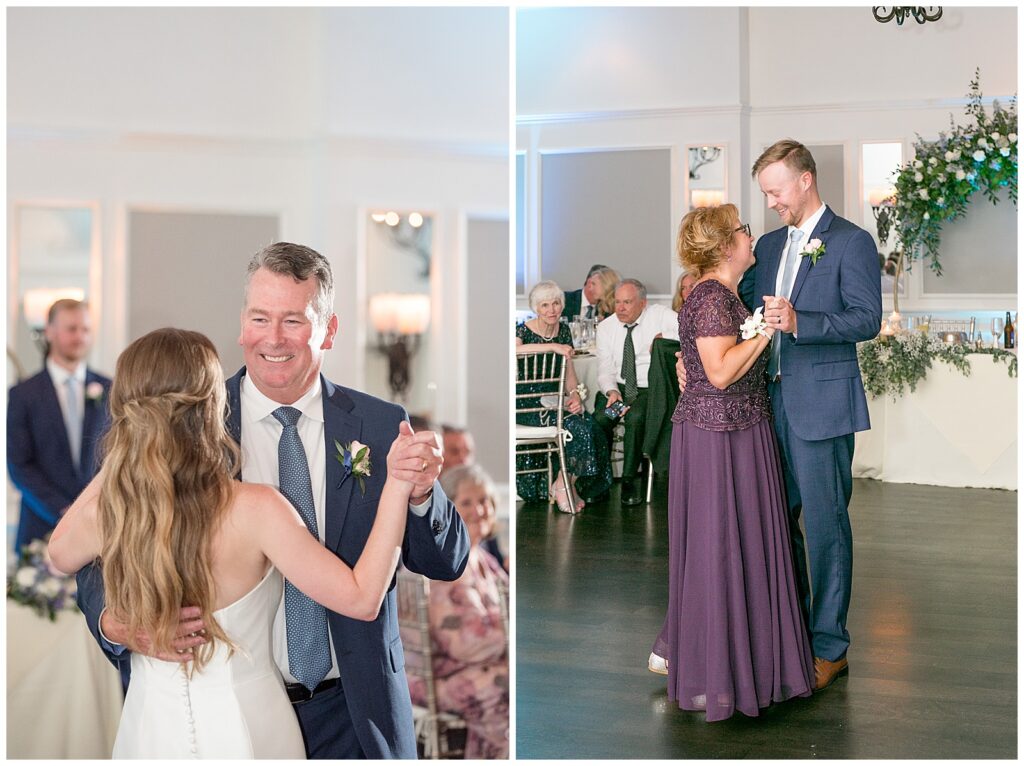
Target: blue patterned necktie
<point>785,287</point>
<point>309,653</point>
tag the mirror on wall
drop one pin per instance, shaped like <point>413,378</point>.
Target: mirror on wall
<point>879,163</point>
<point>705,175</point>
<point>399,266</point>
<point>53,253</point>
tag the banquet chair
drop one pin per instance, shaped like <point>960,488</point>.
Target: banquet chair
<point>440,734</point>
<point>549,439</point>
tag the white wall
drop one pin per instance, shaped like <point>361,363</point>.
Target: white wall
<point>848,79</point>
<point>271,111</point>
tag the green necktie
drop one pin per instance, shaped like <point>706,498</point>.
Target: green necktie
<point>629,365</point>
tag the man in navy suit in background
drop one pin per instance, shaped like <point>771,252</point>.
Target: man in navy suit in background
<point>356,704</point>
<point>55,421</point>
<point>818,279</point>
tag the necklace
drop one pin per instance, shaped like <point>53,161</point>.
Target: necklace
<point>547,338</point>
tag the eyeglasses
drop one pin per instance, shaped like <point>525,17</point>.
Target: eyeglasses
<point>745,228</point>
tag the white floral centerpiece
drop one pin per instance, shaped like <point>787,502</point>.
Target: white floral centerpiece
<point>34,582</point>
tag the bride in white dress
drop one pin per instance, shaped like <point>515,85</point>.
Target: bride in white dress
<point>172,527</point>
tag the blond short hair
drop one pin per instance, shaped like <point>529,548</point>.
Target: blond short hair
<point>704,235</point>
<point>794,154</point>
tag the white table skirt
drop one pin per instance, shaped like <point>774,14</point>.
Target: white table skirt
<point>63,698</point>
<point>954,431</point>
<point>586,373</point>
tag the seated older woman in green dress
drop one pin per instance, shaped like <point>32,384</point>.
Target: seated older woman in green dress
<point>586,455</point>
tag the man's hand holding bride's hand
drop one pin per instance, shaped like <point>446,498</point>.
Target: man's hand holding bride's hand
<point>190,633</point>
<point>415,458</point>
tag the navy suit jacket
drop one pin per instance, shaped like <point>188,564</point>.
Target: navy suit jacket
<point>370,656</point>
<point>573,304</point>
<point>838,303</point>
<point>39,451</point>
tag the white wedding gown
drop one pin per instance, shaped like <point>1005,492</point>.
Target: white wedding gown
<point>237,707</point>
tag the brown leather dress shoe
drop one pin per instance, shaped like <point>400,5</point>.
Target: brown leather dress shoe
<point>827,671</point>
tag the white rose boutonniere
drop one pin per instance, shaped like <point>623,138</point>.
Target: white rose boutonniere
<point>94,391</point>
<point>355,459</point>
<point>754,325</point>
<point>815,248</point>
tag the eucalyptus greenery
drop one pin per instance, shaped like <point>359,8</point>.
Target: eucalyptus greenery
<point>891,364</point>
<point>937,184</point>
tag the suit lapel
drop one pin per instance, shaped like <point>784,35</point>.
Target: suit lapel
<point>343,426</point>
<point>52,409</point>
<point>772,255</point>
<point>805,263</point>
<point>91,421</point>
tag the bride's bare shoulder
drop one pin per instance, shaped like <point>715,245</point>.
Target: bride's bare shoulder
<point>257,498</point>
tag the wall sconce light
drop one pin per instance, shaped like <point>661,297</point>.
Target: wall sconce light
<point>400,320</point>
<point>706,198</point>
<point>701,156</point>
<point>36,305</point>
<point>919,13</point>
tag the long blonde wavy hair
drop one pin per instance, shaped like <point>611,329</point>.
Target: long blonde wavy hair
<point>169,469</point>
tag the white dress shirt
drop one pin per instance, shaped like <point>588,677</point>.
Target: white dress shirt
<point>806,230</point>
<point>60,377</point>
<point>611,337</point>
<point>260,436</point>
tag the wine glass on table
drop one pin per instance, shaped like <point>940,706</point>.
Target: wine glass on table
<point>997,331</point>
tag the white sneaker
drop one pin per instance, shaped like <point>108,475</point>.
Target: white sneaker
<point>657,664</point>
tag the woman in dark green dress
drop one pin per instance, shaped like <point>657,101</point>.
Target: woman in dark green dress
<point>586,455</point>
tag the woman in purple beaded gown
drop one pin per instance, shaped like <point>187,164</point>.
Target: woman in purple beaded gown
<point>734,636</point>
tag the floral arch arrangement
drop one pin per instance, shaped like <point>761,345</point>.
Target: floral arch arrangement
<point>937,184</point>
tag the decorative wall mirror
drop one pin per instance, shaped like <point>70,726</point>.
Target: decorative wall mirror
<point>879,163</point>
<point>54,246</point>
<point>705,175</point>
<point>399,261</point>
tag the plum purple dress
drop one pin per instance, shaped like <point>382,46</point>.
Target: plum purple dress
<point>734,634</point>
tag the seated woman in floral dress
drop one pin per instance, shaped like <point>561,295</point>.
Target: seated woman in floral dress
<point>468,624</point>
<point>586,455</point>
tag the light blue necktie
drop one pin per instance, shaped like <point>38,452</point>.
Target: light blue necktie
<point>74,419</point>
<point>309,653</point>
<point>792,262</point>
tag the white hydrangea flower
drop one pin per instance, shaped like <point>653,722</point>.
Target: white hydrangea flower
<point>927,216</point>
<point>1005,151</point>
<point>1012,137</point>
<point>978,156</point>
<point>960,175</point>
<point>983,142</point>
<point>922,193</point>
<point>994,135</point>
<point>918,177</point>
<point>49,588</point>
<point>940,201</point>
<point>918,164</point>
<point>949,156</point>
<point>932,161</point>
<point>26,577</point>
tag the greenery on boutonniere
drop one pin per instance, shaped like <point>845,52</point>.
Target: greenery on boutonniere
<point>937,184</point>
<point>814,249</point>
<point>892,364</point>
<point>355,457</point>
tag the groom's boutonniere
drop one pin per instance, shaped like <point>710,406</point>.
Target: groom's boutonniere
<point>355,459</point>
<point>94,391</point>
<point>815,249</point>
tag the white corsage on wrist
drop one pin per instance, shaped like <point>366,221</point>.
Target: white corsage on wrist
<point>754,325</point>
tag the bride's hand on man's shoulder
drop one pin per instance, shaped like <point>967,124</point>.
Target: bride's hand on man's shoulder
<point>190,633</point>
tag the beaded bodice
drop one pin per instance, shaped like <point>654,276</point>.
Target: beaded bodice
<point>712,309</point>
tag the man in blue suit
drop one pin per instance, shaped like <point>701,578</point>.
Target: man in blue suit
<point>55,421</point>
<point>353,701</point>
<point>819,282</point>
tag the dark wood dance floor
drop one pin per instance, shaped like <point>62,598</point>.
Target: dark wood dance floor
<point>933,624</point>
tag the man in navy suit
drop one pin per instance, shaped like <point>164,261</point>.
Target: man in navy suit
<point>361,707</point>
<point>583,302</point>
<point>55,421</point>
<point>818,279</point>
